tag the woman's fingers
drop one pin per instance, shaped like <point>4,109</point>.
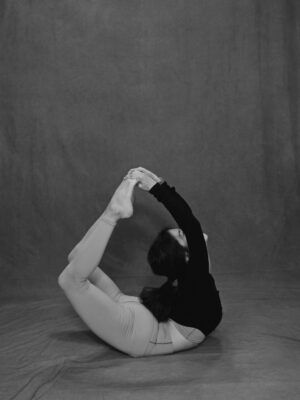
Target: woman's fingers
<point>136,175</point>
<point>130,173</point>
<point>145,177</point>
<point>145,171</point>
<point>140,169</point>
<point>133,172</point>
<point>149,173</point>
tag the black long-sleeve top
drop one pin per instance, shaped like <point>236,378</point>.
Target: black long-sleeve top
<point>197,302</point>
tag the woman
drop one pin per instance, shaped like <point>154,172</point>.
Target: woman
<point>161,320</point>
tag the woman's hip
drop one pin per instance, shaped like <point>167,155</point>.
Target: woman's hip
<point>147,336</point>
<point>150,337</point>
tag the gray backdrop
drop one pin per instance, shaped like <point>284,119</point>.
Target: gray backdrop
<point>204,93</point>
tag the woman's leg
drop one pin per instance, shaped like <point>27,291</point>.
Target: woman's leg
<point>86,256</point>
<point>80,245</point>
<point>102,281</point>
<point>108,319</point>
<point>98,277</point>
<point>126,325</point>
<point>85,261</point>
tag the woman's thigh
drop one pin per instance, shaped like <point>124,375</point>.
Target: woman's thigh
<point>126,325</point>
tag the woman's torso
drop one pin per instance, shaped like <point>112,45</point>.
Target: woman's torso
<point>197,305</point>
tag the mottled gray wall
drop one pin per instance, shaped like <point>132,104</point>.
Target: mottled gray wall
<point>204,93</point>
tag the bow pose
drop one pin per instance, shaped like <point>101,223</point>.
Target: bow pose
<point>174,317</point>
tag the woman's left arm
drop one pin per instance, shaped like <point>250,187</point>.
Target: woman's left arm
<point>183,215</point>
<point>181,212</point>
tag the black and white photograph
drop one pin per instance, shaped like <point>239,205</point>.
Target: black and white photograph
<point>149,199</point>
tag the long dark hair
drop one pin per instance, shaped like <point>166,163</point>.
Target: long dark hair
<point>167,258</point>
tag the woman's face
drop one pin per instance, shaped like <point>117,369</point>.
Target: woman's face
<point>178,234</point>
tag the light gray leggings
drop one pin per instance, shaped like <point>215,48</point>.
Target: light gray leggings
<point>119,319</point>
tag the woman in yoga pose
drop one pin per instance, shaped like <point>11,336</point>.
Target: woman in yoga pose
<point>161,320</point>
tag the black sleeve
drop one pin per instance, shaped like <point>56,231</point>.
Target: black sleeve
<point>185,219</point>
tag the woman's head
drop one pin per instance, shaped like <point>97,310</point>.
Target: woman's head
<point>168,254</point>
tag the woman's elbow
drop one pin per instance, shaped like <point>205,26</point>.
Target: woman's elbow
<point>65,277</point>
<point>61,280</point>
<point>69,279</point>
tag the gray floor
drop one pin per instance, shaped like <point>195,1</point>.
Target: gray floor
<point>47,352</point>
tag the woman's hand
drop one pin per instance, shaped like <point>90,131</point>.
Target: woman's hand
<point>146,179</point>
<point>121,203</point>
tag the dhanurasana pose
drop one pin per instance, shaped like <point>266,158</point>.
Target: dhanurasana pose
<point>161,320</point>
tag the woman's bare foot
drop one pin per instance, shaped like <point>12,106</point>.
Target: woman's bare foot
<point>121,202</point>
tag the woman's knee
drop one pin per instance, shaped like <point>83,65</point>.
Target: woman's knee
<point>67,280</point>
